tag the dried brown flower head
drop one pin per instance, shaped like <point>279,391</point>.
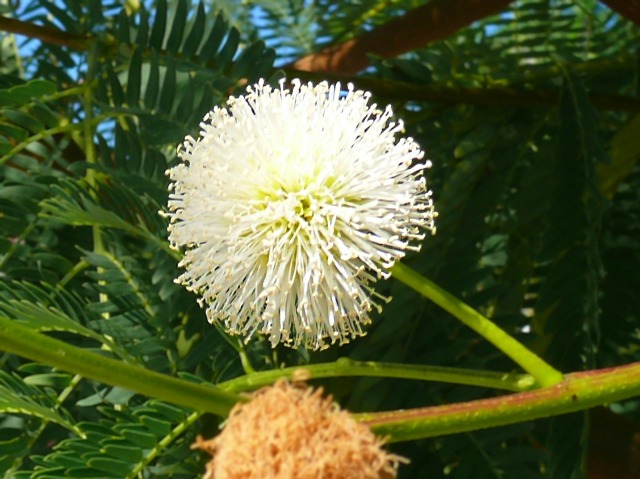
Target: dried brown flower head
<point>293,432</point>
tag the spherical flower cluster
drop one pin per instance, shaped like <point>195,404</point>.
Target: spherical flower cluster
<point>290,204</point>
<point>293,432</point>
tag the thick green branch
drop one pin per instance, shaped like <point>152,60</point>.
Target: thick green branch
<point>23,341</point>
<point>577,392</point>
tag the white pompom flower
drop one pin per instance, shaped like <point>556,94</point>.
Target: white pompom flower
<point>291,204</point>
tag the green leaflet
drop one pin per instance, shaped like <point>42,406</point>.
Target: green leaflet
<point>21,94</point>
<point>123,443</point>
<point>38,308</point>
<point>16,397</point>
<point>568,310</point>
<point>196,34</point>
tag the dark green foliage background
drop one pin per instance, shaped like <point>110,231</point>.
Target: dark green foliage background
<point>538,227</point>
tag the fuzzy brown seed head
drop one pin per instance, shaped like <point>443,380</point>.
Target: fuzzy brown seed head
<point>292,432</point>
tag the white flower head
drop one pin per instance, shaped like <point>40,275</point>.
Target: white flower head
<point>291,204</point>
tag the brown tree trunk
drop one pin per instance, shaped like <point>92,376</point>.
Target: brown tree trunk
<point>630,9</point>
<point>614,446</point>
<point>423,25</point>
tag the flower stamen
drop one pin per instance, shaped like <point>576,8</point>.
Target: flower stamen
<point>291,204</point>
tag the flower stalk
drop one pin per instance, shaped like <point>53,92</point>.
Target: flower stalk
<point>345,367</point>
<point>544,374</point>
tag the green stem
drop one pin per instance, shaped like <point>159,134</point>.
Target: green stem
<point>162,445</point>
<point>244,360</point>
<point>345,367</point>
<point>23,341</point>
<point>577,392</point>
<point>17,243</point>
<point>544,374</point>
<point>73,272</point>
<point>36,137</point>
<point>89,149</point>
